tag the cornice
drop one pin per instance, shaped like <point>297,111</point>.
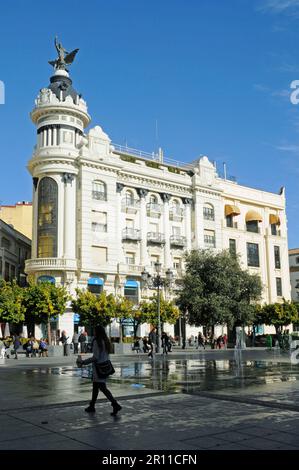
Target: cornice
<point>155,185</point>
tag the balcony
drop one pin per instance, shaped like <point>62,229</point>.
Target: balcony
<point>156,238</point>
<point>99,195</point>
<point>130,206</point>
<point>153,209</point>
<point>130,268</point>
<point>50,264</point>
<point>131,234</point>
<point>178,240</point>
<point>210,241</point>
<point>176,213</point>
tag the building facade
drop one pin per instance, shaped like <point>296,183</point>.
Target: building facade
<point>15,248</point>
<point>19,216</point>
<point>102,213</point>
<point>294,273</point>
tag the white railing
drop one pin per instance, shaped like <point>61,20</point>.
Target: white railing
<point>50,263</point>
<point>130,268</point>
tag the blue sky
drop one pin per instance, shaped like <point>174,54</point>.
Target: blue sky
<point>215,74</point>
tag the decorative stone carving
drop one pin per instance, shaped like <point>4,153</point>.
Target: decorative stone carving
<point>68,177</point>
<point>186,200</point>
<point>165,197</point>
<point>119,187</point>
<point>142,192</point>
<point>35,182</point>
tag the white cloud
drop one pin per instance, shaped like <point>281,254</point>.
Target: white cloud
<point>288,148</point>
<point>289,7</point>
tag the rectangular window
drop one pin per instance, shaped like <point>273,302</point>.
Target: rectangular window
<point>273,229</point>
<point>278,287</point>
<point>130,258</point>
<point>229,221</point>
<point>232,246</point>
<point>209,238</point>
<point>176,230</point>
<point>129,223</point>
<point>46,246</point>
<point>13,271</point>
<point>99,255</point>
<point>177,263</point>
<point>6,271</point>
<point>253,255</point>
<point>154,259</point>
<point>277,257</point>
<point>208,213</point>
<point>99,221</point>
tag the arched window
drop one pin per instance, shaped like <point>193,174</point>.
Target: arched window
<point>208,212</point>
<point>47,218</point>
<point>153,199</point>
<point>99,190</point>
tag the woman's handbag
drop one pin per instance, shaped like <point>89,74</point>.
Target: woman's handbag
<point>104,369</point>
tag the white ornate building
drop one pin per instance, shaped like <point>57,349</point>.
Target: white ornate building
<point>102,213</point>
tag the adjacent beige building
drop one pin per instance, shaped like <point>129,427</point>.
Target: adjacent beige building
<point>19,216</point>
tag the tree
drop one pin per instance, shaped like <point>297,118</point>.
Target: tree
<point>277,314</point>
<point>169,312</point>
<point>12,308</point>
<point>94,309</point>
<point>216,290</point>
<point>43,301</point>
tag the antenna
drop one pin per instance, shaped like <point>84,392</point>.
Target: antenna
<point>156,134</point>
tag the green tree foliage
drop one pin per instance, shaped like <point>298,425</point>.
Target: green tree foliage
<point>43,301</point>
<point>94,309</point>
<point>12,308</point>
<point>216,290</point>
<point>169,312</point>
<point>277,314</point>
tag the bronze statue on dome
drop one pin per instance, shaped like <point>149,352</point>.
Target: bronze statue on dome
<point>64,58</point>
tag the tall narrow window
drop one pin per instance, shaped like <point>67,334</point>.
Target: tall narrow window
<point>208,212</point>
<point>253,259</point>
<point>99,191</point>
<point>277,257</point>
<point>278,287</point>
<point>232,247</point>
<point>47,218</point>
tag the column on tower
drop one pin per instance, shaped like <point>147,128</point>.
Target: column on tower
<point>119,188</point>
<point>187,204</point>
<point>69,215</point>
<point>166,229</point>
<point>144,261</point>
<point>198,225</point>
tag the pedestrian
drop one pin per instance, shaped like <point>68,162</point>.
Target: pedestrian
<point>101,348</point>
<point>16,345</point>
<point>82,341</point>
<point>43,348</point>
<point>152,337</point>
<point>75,341</point>
<point>64,340</point>
<point>200,340</point>
<point>145,346</point>
<point>219,342</point>
<point>165,341</point>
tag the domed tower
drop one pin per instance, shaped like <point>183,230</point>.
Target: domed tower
<point>60,115</point>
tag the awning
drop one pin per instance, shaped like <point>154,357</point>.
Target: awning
<point>231,210</point>
<point>252,216</point>
<point>274,219</point>
<point>50,279</point>
<point>131,283</point>
<point>95,281</point>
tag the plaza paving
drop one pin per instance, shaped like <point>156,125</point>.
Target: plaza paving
<point>188,401</point>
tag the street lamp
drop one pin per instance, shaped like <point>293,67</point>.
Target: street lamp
<point>156,282</point>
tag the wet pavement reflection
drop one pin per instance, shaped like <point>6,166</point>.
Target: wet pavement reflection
<point>190,375</point>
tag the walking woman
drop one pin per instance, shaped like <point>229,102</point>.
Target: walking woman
<point>100,348</point>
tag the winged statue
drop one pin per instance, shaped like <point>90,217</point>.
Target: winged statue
<point>64,58</point>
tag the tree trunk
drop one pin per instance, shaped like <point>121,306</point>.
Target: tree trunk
<point>49,333</point>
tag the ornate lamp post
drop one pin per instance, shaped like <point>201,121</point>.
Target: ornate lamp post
<point>156,282</point>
